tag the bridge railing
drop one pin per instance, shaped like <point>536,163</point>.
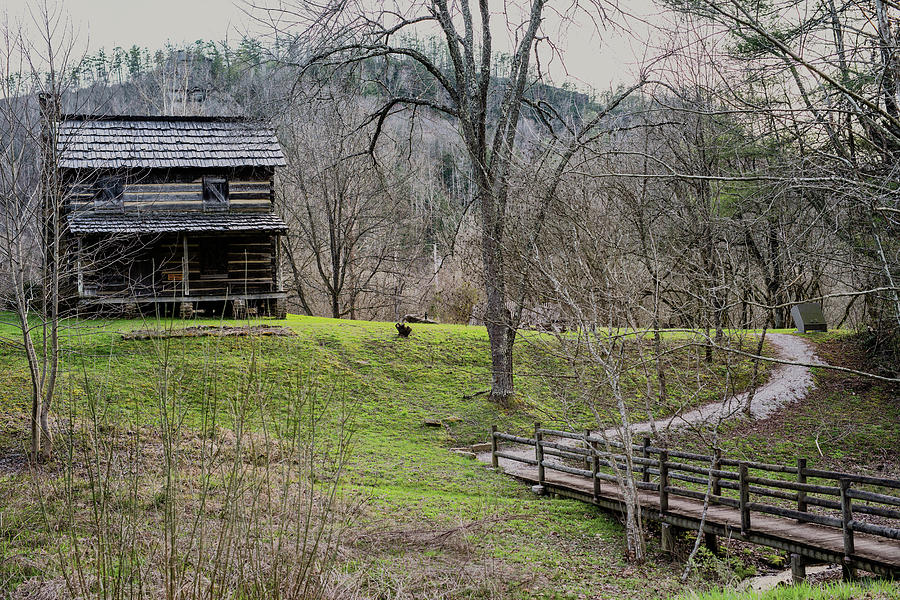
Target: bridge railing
<point>846,501</point>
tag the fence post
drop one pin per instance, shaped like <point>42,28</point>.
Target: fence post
<point>595,469</point>
<point>717,466</point>
<point>663,481</point>
<point>847,526</point>
<point>539,452</point>
<point>801,478</point>
<point>710,539</point>
<point>494,462</point>
<point>587,446</point>
<point>744,499</point>
<point>646,453</point>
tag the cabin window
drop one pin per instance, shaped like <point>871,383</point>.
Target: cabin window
<point>215,193</point>
<point>108,194</point>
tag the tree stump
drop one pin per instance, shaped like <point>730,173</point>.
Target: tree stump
<point>131,311</point>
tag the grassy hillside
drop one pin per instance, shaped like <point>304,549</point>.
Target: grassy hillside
<point>392,383</point>
<point>424,522</point>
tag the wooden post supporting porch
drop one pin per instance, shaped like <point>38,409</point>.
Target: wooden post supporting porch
<point>185,267</point>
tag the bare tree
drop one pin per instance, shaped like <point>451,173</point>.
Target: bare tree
<point>351,234</point>
<point>35,63</point>
<point>462,83</point>
<point>820,82</point>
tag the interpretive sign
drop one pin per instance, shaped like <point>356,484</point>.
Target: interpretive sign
<point>809,317</point>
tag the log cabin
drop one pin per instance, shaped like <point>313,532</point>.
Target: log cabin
<point>172,213</point>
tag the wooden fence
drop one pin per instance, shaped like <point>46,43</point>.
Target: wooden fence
<point>848,502</point>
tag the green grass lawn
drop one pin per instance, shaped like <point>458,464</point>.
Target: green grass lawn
<point>431,520</point>
<point>393,383</point>
<point>866,590</point>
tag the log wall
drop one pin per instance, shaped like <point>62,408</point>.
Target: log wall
<point>244,195</point>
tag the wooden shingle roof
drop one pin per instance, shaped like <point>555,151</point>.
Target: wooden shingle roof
<point>163,222</point>
<point>165,142</point>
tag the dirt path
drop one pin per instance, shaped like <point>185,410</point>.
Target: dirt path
<point>786,384</point>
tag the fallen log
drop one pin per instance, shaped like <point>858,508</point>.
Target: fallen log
<point>418,319</point>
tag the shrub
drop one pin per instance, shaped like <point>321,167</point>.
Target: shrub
<point>455,303</point>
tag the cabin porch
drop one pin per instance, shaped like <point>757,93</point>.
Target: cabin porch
<point>211,270</point>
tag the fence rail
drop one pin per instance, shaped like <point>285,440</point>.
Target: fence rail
<point>851,503</point>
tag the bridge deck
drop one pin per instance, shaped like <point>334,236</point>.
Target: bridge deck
<point>816,542</point>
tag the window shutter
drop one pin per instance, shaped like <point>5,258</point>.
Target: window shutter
<point>215,193</point>
<point>108,194</point>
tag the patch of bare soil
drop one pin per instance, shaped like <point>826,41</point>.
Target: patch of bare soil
<point>424,562</point>
<point>208,330</point>
<point>12,462</point>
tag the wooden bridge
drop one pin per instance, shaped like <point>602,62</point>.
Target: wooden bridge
<point>815,515</point>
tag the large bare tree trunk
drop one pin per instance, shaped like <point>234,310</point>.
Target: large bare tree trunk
<point>497,318</point>
<point>468,87</point>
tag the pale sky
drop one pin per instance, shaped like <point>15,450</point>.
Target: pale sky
<point>591,60</point>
